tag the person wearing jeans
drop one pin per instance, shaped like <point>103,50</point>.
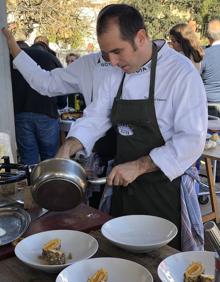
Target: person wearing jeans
<point>36,116</point>
<point>41,134</point>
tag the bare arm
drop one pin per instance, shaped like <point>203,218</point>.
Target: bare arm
<point>12,44</point>
<point>126,173</point>
<point>69,148</point>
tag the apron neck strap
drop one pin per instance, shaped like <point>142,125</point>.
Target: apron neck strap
<point>119,93</point>
<point>152,75</point>
<point>153,71</point>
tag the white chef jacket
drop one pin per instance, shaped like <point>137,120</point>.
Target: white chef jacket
<point>180,104</point>
<point>83,75</point>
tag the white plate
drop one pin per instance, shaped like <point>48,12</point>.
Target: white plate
<point>172,268</point>
<point>139,233</point>
<point>214,124</point>
<point>119,270</point>
<point>77,244</point>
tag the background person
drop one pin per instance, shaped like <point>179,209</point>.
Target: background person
<point>71,57</point>
<point>185,41</point>
<point>36,116</point>
<point>211,73</point>
<point>83,75</point>
<point>211,68</point>
<point>44,41</point>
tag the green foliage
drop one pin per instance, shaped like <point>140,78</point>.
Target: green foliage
<point>209,9</point>
<point>62,21</point>
<point>161,15</point>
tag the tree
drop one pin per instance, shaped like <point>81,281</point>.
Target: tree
<point>161,15</point>
<point>62,21</point>
<point>209,9</point>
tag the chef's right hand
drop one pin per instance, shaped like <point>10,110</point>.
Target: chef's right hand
<point>70,147</point>
<point>14,49</point>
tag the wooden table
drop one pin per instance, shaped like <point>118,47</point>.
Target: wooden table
<point>82,218</point>
<point>209,156</point>
<point>12,270</point>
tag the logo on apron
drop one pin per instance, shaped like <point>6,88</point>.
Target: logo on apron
<point>125,130</point>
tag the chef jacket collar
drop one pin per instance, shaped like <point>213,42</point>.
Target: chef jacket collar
<point>162,47</point>
<point>102,62</point>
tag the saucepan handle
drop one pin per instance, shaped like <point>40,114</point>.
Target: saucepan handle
<point>100,181</point>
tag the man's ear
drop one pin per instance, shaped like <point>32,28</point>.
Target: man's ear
<point>141,36</point>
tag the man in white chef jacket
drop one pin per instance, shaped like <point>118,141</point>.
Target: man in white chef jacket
<point>156,102</point>
<point>84,75</point>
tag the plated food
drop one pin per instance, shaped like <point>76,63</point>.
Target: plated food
<point>191,266</point>
<point>105,270</point>
<point>195,273</point>
<point>53,250</point>
<point>71,115</point>
<point>52,253</point>
<point>215,137</point>
<point>100,276</point>
<point>212,141</point>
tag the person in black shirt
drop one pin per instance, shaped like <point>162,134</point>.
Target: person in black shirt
<point>36,116</point>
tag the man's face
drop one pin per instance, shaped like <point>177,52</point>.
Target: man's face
<point>119,52</point>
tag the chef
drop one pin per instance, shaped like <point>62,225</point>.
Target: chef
<point>155,100</point>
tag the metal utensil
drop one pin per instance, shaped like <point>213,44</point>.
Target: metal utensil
<point>9,203</point>
<point>214,235</point>
<point>59,184</point>
<point>37,213</point>
<point>13,223</point>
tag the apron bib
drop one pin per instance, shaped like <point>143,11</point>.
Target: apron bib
<point>137,134</point>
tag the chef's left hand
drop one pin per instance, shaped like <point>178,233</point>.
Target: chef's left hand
<point>124,174</point>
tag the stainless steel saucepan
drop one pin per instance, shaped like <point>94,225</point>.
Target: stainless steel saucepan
<point>59,184</point>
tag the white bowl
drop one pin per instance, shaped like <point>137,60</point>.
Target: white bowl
<point>139,233</point>
<point>118,270</point>
<point>76,244</point>
<point>172,268</point>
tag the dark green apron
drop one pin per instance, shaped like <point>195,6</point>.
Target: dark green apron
<point>151,193</point>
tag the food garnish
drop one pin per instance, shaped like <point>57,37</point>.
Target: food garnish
<point>195,273</point>
<point>100,276</point>
<point>52,254</point>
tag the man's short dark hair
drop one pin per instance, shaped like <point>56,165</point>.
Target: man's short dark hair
<point>129,20</point>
